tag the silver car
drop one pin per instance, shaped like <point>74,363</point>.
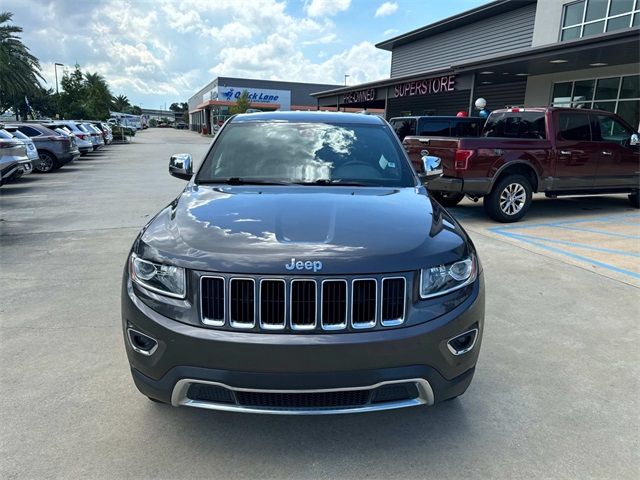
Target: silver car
<point>83,139</point>
<point>13,155</point>
<point>96,134</point>
<point>26,167</point>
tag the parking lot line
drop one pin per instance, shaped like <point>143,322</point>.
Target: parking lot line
<point>585,240</point>
<point>571,255</point>
<point>574,244</point>
<point>599,232</point>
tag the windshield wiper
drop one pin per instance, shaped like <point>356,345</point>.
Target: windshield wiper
<point>241,181</point>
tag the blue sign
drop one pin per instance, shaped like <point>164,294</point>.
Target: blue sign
<point>279,97</point>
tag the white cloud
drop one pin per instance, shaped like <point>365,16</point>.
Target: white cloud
<point>321,8</point>
<point>331,37</point>
<point>387,8</point>
<point>391,31</point>
<point>278,58</point>
<point>169,49</point>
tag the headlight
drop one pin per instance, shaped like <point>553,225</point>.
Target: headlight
<point>165,279</point>
<point>443,279</point>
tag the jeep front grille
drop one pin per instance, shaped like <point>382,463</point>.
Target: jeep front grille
<point>302,304</point>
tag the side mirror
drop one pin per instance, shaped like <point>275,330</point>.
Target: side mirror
<point>432,168</point>
<point>181,166</point>
<point>634,140</point>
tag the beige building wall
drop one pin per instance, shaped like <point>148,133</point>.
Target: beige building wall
<point>539,86</point>
<point>548,18</point>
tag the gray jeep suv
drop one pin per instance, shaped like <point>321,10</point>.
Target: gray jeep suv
<point>303,270</point>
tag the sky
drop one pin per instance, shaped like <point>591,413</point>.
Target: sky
<point>163,51</point>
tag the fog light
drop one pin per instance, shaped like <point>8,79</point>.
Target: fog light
<point>141,343</point>
<point>463,343</point>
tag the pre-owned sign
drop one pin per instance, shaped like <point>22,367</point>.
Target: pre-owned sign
<point>357,96</point>
<point>426,86</point>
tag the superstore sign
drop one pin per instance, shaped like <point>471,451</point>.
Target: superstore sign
<point>426,87</point>
<point>357,96</point>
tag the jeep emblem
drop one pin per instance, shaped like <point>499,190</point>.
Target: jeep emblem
<point>316,265</point>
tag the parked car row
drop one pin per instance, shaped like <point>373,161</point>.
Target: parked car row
<point>46,145</point>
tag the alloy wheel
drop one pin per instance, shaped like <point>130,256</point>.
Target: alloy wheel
<point>512,198</point>
<point>45,164</point>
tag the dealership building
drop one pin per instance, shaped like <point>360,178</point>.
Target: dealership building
<point>511,53</point>
<point>211,104</point>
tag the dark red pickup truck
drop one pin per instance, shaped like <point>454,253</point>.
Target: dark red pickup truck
<point>559,151</point>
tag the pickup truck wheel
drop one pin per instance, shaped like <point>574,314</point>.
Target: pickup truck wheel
<point>447,199</point>
<point>509,200</point>
<point>634,199</point>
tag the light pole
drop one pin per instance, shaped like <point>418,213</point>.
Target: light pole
<point>55,69</point>
<point>345,79</point>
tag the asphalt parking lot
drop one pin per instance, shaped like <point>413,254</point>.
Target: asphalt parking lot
<point>555,393</point>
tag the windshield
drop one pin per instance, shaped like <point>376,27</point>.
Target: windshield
<point>306,153</point>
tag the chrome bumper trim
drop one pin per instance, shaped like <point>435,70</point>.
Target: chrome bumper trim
<point>179,398</point>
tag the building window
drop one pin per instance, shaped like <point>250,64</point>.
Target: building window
<point>620,95</point>
<point>591,17</point>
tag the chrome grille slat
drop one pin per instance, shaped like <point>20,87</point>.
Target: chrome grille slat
<point>364,302</point>
<point>393,301</point>
<point>285,304</point>
<point>212,300</point>
<point>242,302</point>
<point>303,309</point>
<point>273,303</point>
<point>334,305</point>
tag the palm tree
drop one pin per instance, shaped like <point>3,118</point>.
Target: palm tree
<point>19,69</point>
<point>98,96</point>
<point>121,103</point>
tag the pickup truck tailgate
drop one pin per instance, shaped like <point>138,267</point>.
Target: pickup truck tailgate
<point>444,148</point>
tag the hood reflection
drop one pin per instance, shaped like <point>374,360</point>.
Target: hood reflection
<point>259,229</point>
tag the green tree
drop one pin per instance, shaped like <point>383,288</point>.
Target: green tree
<point>178,107</point>
<point>19,69</point>
<point>121,103</point>
<point>74,95</point>
<point>242,104</point>
<point>98,99</point>
<point>135,110</point>
<point>42,102</point>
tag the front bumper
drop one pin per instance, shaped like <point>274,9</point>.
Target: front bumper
<point>263,362</point>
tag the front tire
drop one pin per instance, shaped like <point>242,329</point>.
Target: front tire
<point>634,199</point>
<point>509,199</point>
<point>447,199</point>
<point>46,163</point>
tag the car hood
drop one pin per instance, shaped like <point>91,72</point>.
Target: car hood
<point>251,229</point>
